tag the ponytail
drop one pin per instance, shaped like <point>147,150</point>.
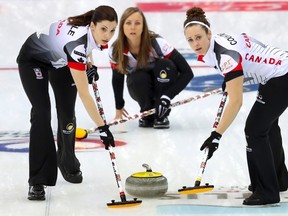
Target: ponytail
<point>99,14</point>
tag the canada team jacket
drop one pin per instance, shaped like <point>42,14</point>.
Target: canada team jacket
<point>160,48</point>
<point>244,55</point>
<point>62,45</point>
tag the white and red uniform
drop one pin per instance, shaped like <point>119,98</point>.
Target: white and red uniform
<point>46,57</point>
<point>62,45</point>
<point>164,50</point>
<point>146,84</point>
<point>259,62</point>
<point>237,55</point>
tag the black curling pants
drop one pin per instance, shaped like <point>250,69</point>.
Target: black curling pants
<point>265,155</point>
<point>147,86</point>
<point>141,89</point>
<point>42,150</point>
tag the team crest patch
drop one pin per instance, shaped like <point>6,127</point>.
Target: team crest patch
<point>163,74</point>
<point>163,77</point>
<point>69,128</point>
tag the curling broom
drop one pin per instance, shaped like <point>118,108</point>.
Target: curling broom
<point>83,133</point>
<point>123,202</point>
<point>197,188</point>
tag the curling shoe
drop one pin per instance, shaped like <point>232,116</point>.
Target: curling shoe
<point>162,123</point>
<point>74,177</point>
<point>146,122</point>
<point>257,200</point>
<point>36,192</point>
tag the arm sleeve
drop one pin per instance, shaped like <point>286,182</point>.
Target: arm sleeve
<point>118,88</point>
<point>185,74</point>
<point>76,57</point>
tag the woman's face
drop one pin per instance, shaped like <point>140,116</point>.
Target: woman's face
<point>198,39</point>
<point>133,26</point>
<point>103,31</point>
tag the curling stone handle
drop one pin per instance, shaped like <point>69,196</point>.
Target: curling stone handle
<point>148,168</point>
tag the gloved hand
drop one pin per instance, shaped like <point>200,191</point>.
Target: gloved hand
<point>92,74</point>
<point>211,143</point>
<point>106,136</point>
<point>162,106</point>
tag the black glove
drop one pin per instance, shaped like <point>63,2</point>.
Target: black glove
<point>211,143</point>
<point>106,136</point>
<point>92,74</point>
<point>162,106</point>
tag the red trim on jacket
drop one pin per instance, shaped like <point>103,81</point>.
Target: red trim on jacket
<point>168,56</point>
<point>237,68</point>
<point>200,58</point>
<point>104,46</point>
<point>114,66</point>
<point>77,66</point>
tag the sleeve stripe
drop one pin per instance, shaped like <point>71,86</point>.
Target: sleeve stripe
<point>114,66</point>
<point>235,74</point>
<point>168,55</point>
<point>77,66</point>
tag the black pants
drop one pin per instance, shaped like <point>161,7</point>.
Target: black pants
<point>147,86</point>
<point>35,79</point>
<point>265,155</point>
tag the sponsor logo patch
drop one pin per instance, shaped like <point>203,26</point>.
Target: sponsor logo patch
<point>38,73</point>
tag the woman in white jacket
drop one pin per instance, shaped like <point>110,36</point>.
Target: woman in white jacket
<point>60,57</point>
<point>239,57</point>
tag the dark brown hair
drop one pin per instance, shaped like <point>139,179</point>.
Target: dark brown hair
<point>100,13</point>
<point>121,43</point>
<point>196,14</point>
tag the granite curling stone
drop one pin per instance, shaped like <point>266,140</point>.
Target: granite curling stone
<point>146,184</point>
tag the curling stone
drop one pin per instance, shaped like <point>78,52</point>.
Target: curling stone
<point>146,184</point>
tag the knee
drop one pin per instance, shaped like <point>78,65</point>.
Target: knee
<point>246,129</point>
<point>250,129</point>
<point>65,112</point>
<point>250,136</point>
<point>139,77</point>
<point>42,114</point>
<point>165,70</point>
<point>255,131</point>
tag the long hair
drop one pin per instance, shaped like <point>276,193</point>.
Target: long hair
<point>100,13</point>
<point>121,43</point>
